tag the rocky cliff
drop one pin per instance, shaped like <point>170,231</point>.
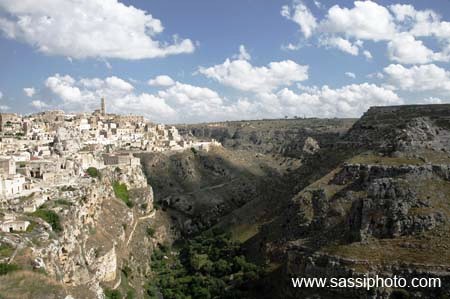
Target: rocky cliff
<point>286,137</point>
<point>384,210</point>
<point>96,240</point>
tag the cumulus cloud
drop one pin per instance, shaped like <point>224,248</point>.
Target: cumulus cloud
<point>404,48</point>
<point>242,75</point>
<point>1,95</point>
<point>421,22</point>
<point>429,77</point>
<point>29,91</point>
<point>350,75</point>
<point>341,44</point>
<point>347,101</point>
<point>96,28</point>
<point>366,20</point>
<point>181,102</point>
<point>162,80</point>
<point>400,26</point>
<point>85,94</point>
<point>300,14</point>
<point>39,105</point>
<point>177,103</point>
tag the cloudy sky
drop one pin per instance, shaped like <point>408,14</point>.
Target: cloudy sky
<point>177,61</point>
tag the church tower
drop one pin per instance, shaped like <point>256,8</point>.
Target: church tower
<point>102,108</point>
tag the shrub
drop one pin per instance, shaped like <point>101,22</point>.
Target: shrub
<point>50,217</point>
<point>6,250</point>
<point>112,294</point>
<point>150,231</point>
<point>7,268</point>
<point>93,172</point>
<point>126,271</point>
<point>63,202</point>
<point>121,192</point>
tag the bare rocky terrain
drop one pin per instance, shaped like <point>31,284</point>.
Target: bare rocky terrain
<point>322,198</point>
<point>304,197</point>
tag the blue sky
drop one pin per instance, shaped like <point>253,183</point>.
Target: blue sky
<point>229,60</point>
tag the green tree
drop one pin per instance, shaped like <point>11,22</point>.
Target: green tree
<point>93,172</point>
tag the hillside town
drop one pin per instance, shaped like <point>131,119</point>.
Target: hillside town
<point>43,151</point>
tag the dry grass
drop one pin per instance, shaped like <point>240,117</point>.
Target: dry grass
<point>28,284</point>
<point>431,248</point>
<point>244,232</point>
<point>373,158</point>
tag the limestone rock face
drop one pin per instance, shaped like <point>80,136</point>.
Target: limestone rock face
<point>106,266</point>
<point>90,249</point>
<point>403,128</point>
<point>285,137</point>
<point>311,146</point>
<point>385,212</point>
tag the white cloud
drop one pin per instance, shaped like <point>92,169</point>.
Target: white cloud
<point>118,84</point>
<point>242,75</point>
<point>182,102</point>
<point>367,54</point>
<point>97,28</point>
<point>107,64</point>
<point>347,101</point>
<point>433,100</point>
<point>404,48</point>
<point>318,4</point>
<point>350,75</point>
<point>341,44</point>
<point>85,94</point>
<point>427,77</point>
<point>400,26</point>
<point>29,91</point>
<point>162,80</point>
<point>39,105</point>
<point>367,20</point>
<point>64,87</point>
<point>376,75</point>
<point>193,102</point>
<point>243,54</point>
<point>421,22</point>
<point>177,103</point>
<point>300,14</point>
<point>3,107</point>
<point>291,47</point>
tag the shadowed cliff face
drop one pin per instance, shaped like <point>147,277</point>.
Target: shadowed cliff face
<point>260,161</point>
<point>382,210</point>
<point>199,188</point>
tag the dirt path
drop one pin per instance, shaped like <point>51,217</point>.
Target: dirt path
<point>151,215</point>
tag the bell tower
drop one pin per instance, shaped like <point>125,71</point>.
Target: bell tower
<point>102,107</point>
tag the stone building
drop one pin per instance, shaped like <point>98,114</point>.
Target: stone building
<point>7,166</point>
<point>120,159</point>
<point>10,224</point>
<point>11,185</point>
